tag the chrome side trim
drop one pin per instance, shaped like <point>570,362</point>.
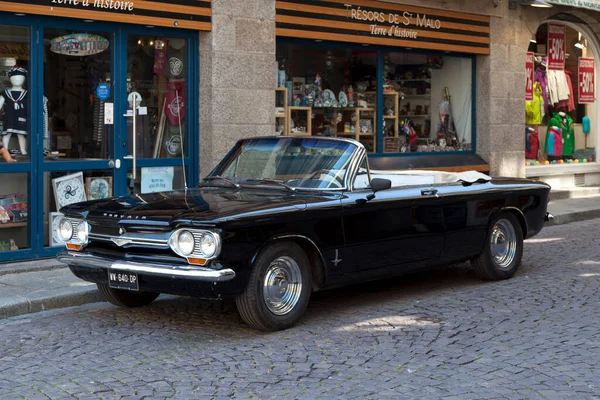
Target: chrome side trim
<point>165,270</point>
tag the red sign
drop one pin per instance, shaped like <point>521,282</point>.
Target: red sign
<point>587,81</point>
<point>529,73</point>
<point>557,46</point>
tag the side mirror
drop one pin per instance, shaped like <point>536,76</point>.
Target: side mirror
<point>378,184</point>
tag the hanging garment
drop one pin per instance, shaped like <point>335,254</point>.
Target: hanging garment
<point>532,143</point>
<point>559,88</point>
<point>174,106</point>
<point>15,111</point>
<point>534,110</point>
<point>568,133</point>
<point>571,104</point>
<point>541,78</point>
<point>554,146</point>
<point>175,63</point>
<point>445,128</point>
<point>160,56</point>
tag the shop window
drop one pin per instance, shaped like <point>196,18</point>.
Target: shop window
<point>76,65</point>
<point>14,212</point>
<point>425,102</point>
<point>15,101</point>
<point>558,127</point>
<point>329,91</point>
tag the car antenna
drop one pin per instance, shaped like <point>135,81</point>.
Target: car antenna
<point>185,186</point>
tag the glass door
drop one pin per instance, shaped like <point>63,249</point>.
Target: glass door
<point>155,116</point>
<point>77,124</point>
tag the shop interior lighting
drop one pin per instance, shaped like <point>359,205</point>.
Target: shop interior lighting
<point>580,44</point>
<point>540,4</point>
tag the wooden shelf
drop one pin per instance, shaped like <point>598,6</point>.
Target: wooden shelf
<point>13,225</point>
<point>414,116</point>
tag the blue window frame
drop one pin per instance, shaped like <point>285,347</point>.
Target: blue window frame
<point>38,169</point>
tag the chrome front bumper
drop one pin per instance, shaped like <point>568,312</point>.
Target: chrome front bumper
<point>168,271</point>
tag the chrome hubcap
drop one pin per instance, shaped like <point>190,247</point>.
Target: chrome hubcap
<point>503,243</point>
<point>282,285</point>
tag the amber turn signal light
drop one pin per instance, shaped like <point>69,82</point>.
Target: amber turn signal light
<point>196,261</point>
<point>74,247</point>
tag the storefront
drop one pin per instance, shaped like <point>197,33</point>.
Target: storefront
<point>99,98</point>
<point>400,79</point>
<point>562,110</point>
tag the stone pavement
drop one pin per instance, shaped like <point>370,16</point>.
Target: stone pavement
<point>34,286</point>
<point>437,335</point>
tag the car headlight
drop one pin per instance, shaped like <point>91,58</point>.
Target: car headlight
<point>65,230</point>
<point>185,242</point>
<point>82,232</point>
<point>195,244</point>
<point>208,245</point>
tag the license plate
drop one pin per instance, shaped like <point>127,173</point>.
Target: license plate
<point>123,280</point>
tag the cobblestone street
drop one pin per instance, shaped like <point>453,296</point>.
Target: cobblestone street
<point>437,335</point>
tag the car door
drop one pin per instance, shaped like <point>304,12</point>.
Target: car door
<point>399,228</point>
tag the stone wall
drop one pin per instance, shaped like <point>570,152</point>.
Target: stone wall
<point>237,76</point>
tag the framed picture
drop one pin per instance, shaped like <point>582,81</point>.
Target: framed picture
<point>68,189</point>
<point>52,225</point>
<point>298,85</point>
<point>98,187</point>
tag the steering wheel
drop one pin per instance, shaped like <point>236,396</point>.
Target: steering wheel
<point>329,173</point>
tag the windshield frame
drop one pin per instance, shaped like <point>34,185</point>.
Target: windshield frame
<point>352,164</point>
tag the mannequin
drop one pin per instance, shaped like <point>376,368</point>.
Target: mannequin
<point>15,113</point>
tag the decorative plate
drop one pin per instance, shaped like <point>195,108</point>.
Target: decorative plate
<point>328,94</point>
<point>343,99</point>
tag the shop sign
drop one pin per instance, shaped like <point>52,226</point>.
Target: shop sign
<point>529,72</point>
<point>157,179</point>
<point>587,82</point>
<point>79,44</point>
<point>19,51</point>
<point>400,24</point>
<point>100,4</point>
<point>103,91</point>
<point>557,46</point>
<point>589,4</point>
<point>383,23</point>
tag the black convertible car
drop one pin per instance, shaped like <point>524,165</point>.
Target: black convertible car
<point>280,217</point>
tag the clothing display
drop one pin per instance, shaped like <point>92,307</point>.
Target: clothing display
<point>534,110</point>
<point>554,145</point>
<point>561,134</point>
<point>15,111</point>
<point>532,143</point>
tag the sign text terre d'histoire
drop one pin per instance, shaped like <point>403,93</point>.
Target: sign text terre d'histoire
<point>398,21</point>
<point>122,5</point>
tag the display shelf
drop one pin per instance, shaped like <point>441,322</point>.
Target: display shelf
<point>415,116</point>
<point>415,80</point>
<point>281,101</point>
<point>13,225</point>
<point>294,111</point>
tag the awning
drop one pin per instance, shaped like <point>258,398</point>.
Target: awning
<point>589,4</point>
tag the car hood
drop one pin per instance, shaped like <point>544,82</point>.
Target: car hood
<point>201,205</point>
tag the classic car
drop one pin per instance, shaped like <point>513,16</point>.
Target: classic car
<point>280,217</point>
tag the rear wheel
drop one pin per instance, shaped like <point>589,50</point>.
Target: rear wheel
<point>503,249</point>
<point>278,289</point>
<point>126,298</point>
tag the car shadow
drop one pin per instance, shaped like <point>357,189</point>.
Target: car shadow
<point>209,318</point>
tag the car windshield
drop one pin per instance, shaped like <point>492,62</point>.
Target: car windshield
<point>292,163</point>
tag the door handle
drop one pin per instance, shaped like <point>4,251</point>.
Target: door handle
<point>429,192</point>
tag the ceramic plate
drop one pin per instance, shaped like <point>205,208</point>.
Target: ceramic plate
<point>343,99</point>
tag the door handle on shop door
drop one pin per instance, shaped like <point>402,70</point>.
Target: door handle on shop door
<point>429,192</point>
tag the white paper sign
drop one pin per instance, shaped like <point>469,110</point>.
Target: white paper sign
<point>157,179</point>
<point>143,110</point>
<point>109,114</point>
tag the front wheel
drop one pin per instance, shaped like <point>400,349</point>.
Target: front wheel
<point>503,250</point>
<point>126,298</point>
<point>278,289</point>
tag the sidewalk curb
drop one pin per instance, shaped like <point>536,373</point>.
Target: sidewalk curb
<point>575,216</point>
<point>62,298</point>
<point>47,264</point>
